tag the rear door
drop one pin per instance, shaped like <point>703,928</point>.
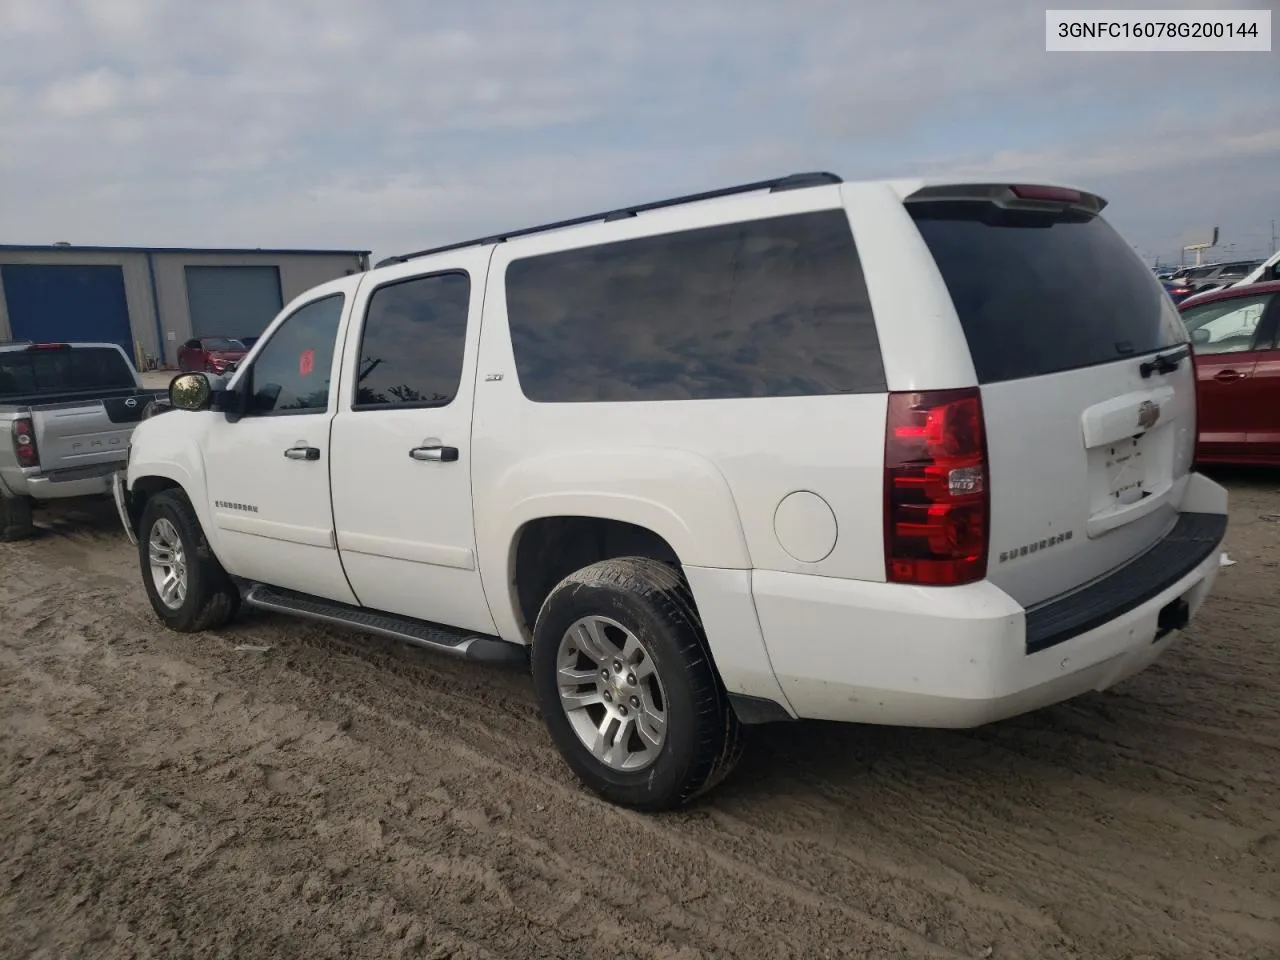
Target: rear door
<point>1225,335</point>
<point>1090,440</point>
<point>401,443</point>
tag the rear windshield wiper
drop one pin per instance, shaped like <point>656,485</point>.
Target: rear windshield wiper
<point>1164,362</point>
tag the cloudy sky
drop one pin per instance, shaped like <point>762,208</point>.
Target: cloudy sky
<point>393,124</point>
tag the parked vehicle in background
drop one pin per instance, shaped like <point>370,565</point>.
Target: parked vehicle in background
<point>1214,275</point>
<point>249,342</point>
<point>1237,352</point>
<point>211,354</point>
<point>1268,270</point>
<point>710,461</point>
<point>66,413</point>
<point>1177,291</point>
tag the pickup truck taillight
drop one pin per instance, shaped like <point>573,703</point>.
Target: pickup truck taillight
<point>936,500</point>
<point>24,442</point>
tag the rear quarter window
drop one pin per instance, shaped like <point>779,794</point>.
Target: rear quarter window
<point>1038,295</point>
<point>766,308</point>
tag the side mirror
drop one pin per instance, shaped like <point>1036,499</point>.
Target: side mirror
<point>1200,336</point>
<point>190,391</point>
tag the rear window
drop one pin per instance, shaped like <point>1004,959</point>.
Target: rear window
<point>766,308</point>
<point>222,343</point>
<point>1039,294</point>
<point>33,373</point>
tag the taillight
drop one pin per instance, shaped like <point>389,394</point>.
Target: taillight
<point>1026,191</point>
<point>936,496</point>
<point>24,443</point>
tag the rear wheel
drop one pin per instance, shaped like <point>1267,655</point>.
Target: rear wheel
<point>626,686</point>
<point>186,585</point>
<point>15,519</point>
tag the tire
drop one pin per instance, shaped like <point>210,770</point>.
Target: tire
<point>210,598</point>
<point>15,519</point>
<point>649,600</point>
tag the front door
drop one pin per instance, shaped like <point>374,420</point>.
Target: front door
<point>1263,427</point>
<point>402,443</point>
<point>268,472</point>
<point>1224,336</point>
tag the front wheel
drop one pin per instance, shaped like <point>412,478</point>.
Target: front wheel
<point>186,585</point>
<point>626,686</point>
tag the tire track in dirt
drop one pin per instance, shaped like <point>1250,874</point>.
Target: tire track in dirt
<point>348,796</point>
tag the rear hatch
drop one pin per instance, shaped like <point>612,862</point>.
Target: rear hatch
<point>1089,413</point>
<point>84,403</point>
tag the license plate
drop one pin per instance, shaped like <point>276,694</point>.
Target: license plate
<point>1126,470</point>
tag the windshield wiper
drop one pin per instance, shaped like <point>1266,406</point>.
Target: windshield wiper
<point>1163,363</point>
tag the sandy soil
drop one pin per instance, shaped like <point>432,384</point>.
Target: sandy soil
<point>336,796</point>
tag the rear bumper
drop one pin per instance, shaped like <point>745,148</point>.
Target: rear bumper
<point>964,656</point>
<point>94,483</point>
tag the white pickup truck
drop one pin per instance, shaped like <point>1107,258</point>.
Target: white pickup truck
<point>66,413</point>
<point>896,452</point>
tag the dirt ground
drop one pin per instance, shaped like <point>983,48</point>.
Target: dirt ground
<point>336,796</point>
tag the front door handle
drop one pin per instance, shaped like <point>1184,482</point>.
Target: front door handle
<point>437,453</point>
<point>303,453</point>
<point>1228,376</point>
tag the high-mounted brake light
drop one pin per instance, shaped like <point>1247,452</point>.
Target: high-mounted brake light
<point>936,496</point>
<point>49,346</point>
<point>1057,194</point>
<point>24,442</point>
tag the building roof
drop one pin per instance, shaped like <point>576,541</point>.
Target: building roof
<point>271,251</point>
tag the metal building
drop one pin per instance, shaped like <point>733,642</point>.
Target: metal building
<point>152,299</point>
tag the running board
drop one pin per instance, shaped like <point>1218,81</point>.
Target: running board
<point>420,633</point>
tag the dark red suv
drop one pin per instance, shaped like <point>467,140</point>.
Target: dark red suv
<point>211,354</point>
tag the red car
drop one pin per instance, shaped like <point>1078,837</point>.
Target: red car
<point>1236,348</point>
<point>211,354</point>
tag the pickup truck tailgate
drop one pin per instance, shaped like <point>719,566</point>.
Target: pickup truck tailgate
<point>87,433</point>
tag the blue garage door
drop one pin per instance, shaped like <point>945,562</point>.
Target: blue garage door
<point>67,304</point>
<point>232,301</point>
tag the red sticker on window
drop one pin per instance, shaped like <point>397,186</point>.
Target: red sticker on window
<point>306,362</point>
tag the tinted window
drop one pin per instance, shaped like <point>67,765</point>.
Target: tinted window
<point>767,308</point>
<point>411,347</point>
<point>29,373</point>
<point>1227,326</point>
<point>1038,295</point>
<point>292,372</point>
<point>222,343</point>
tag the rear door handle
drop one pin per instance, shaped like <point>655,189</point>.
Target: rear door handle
<point>436,453</point>
<point>1227,376</point>
<point>303,453</point>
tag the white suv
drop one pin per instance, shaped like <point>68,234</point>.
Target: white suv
<point>896,452</point>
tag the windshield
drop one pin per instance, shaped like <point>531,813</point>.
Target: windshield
<point>222,343</point>
<point>33,373</point>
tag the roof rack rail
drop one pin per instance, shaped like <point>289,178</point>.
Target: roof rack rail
<point>794,181</point>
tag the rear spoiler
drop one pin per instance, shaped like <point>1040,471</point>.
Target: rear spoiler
<point>1018,196</point>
